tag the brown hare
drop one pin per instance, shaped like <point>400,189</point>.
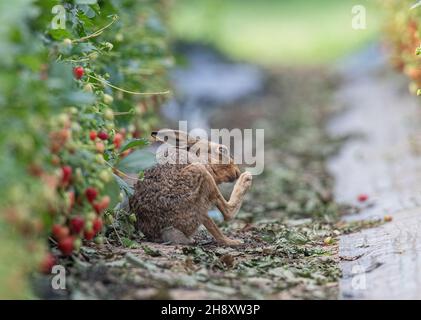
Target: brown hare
<point>172,200</point>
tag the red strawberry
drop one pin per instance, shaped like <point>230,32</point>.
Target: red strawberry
<point>66,174</point>
<point>92,135</point>
<point>102,204</point>
<point>47,263</point>
<point>103,135</point>
<point>59,232</point>
<point>136,134</point>
<point>362,197</point>
<point>97,225</point>
<point>78,72</point>
<point>91,194</point>
<point>77,224</point>
<point>118,139</point>
<point>105,202</point>
<point>97,207</point>
<point>71,197</point>
<point>89,234</point>
<point>66,245</point>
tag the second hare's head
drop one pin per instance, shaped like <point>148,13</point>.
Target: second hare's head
<point>215,156</point>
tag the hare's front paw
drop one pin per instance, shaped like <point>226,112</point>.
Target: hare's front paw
<point>246,179</point>
<point>231,242</point>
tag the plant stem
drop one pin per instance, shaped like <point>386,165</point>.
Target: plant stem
<point>128,91</point>
<point>96,33</point>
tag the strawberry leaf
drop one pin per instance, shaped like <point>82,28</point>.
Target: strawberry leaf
<point>134,143</point>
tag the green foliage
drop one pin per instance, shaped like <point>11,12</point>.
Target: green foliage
<point>276,32</point>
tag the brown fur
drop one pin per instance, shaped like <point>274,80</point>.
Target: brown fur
<point>173,200</point>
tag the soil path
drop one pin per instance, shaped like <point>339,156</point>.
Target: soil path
<point>384,163</point>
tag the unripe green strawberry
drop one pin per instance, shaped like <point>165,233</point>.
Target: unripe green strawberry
<point>132,218</point>
<point>76,127</point>
<point>78,175</point>
<point>67,42</point>
<point>99,240</point>
<point>105,176</point>
<point>109,45</point>
<point>109,114</point>
<point>99,159</point>
<point>328,241</point>
<point>88,225</point>
<point>73,110</point>
<point>99,185</point>
<point>109,219</point>
<point>88,88</point>
<point>77,244</point>
<point>71,146</point>
<point>63,119</point>
<point>119,37</point>
<point>93,55</point>
<point>108,99</point>
<point>91,216</point>
<point>110,126</point>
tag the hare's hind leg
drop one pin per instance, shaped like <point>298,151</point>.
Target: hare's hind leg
<point>228,209</point>
<point>217,234</point>
<point>174,236</point>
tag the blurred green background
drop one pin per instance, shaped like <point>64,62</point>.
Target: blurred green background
<point>276,32</point>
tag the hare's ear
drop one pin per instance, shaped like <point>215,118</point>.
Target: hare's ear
<point>174,137</point>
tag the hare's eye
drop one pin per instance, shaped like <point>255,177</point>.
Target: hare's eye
<point>198,152</point>
<point>223,150</point>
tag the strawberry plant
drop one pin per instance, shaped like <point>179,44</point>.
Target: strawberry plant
<point>75,101</point>
<point>403,32</point>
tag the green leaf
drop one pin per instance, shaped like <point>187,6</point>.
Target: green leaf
<point>60,34</point>
<point>123,185</point>
<point>88,12</point>
<point>134,143</point>
<point>137,161</point>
